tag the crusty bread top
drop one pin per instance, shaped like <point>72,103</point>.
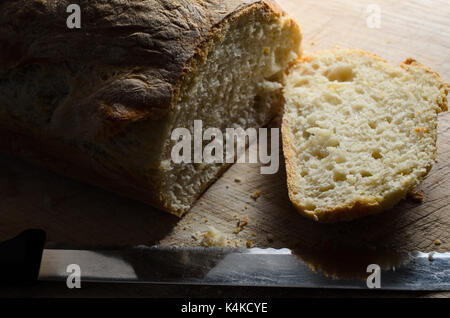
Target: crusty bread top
<point>358,133</point>
<point>127,61</point>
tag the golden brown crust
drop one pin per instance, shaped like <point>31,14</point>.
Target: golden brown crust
<point>315,55</point>
<point>144,50</point>
<point>444,87</point>
<point>363,206</point>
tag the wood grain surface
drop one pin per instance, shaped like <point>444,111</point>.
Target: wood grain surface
<point>77,214</point>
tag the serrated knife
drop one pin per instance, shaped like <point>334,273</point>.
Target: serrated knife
<point>24,259</point>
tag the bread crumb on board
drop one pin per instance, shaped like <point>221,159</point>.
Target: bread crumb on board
<point>437,242</point>
<point>256,194</point>
<point>237,180</point>
<point>415,196</point>
<point>242,222</point>
<point>213,237</point>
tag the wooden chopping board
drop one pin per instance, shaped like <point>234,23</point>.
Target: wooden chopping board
<point>78,214</point>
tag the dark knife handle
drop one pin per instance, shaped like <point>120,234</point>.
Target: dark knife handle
<point>20,257</point>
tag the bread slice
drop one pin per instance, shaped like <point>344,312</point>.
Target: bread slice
<point>358,133</point>
<point>100,103</point>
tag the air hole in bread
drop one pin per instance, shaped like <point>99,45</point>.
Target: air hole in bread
<point>376,154</point>
<point>306,134</point>
<point>326,188</point>
<point>365,174</point>
<point>342,73</point>
<point>339,176</point>
<point>341,159</point>
<point>376,97</point>
<point>357,107</point>
<point>320,153</point>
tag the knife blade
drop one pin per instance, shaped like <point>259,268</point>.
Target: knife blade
<point>234,267</point>
<point>24,259</point>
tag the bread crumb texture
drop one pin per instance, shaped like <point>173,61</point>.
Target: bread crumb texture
<point>358,133</point>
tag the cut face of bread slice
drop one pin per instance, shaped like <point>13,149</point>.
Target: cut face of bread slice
<point>239,85</point>
<point>358,133</point>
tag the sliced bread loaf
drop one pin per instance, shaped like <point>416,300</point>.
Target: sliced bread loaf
<point>100,103</point>
<point>358,133</point>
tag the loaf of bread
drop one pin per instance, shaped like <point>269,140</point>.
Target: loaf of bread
<point>358,133</point>
<point>99,103</point>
